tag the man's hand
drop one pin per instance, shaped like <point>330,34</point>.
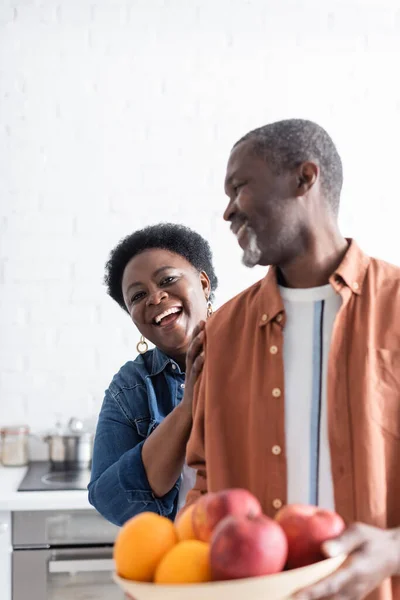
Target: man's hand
<point>373,555</point>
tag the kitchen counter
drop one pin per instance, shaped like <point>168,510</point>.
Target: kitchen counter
<point>11,500</point>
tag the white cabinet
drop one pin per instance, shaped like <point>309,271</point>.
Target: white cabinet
<point>5,555</point>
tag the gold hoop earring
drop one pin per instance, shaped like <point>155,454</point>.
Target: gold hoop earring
<point>210,309</point>
<point>142,346</point>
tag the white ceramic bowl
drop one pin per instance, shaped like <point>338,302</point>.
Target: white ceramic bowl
<point>270,587</point>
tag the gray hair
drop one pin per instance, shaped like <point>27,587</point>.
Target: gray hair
<point>289,143</point>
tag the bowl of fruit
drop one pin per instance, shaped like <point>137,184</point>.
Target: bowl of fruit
<point>223,546</point>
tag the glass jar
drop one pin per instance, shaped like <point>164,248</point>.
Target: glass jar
<point>14,445</point>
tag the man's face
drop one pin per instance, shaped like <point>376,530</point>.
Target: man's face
<point>263,208</point>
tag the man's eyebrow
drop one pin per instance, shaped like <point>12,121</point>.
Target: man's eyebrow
<point>229,179</point>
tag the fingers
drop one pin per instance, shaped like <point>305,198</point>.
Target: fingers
<point>195,355</point>
<point>194,359</point>
<point>197,366</point>
<point>352,538</point>
<point>194,363</point>
<point>192,374</point>
<point>348,582</point>
<point>369,562</point>
<point>199,327</point>
<point>195,346</point>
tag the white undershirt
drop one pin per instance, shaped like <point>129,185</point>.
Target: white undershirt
<point>310,315</point>
<point>188,480</point>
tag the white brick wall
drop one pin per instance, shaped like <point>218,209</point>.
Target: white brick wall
<point>116,114</point>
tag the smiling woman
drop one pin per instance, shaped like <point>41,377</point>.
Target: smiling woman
<point>163,277</point>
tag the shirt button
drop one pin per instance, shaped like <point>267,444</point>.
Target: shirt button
<point>276,392</point>
<point>276,450</point>
<point>273,349</point>
<point>264,318</point>
<point>277,503</point>
<point>173,367</point>
<point>183,386</point>
<point>356,285</point>
<point>279,318</point>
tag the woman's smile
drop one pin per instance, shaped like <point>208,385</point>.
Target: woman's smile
<point>168,317</point>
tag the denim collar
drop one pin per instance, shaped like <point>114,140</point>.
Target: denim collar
<point>160,361</point>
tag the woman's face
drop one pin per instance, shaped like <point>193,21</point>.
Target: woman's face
<point>166,298</point>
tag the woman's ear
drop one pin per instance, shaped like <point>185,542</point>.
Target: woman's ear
<point>205,283</point>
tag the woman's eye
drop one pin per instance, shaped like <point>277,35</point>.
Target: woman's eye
<point>168,280</point>
<point>137,297</point>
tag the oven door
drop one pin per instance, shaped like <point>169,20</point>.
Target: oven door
<point>64,574</point>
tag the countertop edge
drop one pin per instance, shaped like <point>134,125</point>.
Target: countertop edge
<point>12,500</point>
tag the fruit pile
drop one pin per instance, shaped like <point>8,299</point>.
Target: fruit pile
<point>223,536</point>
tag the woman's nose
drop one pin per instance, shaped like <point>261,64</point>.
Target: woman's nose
<point>156,297</point>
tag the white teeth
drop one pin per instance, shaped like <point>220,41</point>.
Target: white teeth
<point>240,231</point>
<point>169,311</point>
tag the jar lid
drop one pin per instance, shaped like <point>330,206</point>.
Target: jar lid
<point>83,435</point>
<point>14,429</point>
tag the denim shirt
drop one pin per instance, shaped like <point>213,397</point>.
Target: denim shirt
<point>140,396</point>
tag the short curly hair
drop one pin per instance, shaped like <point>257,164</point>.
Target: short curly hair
<point>286,144</point>
<point>169,236</point>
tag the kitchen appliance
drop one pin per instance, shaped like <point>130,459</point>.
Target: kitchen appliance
<point>63,555</point>
<point>41,476</point>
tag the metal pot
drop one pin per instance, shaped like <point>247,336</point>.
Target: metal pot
<point>70,450</point>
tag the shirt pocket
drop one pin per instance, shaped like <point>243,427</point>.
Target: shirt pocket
<point>384,402</point>
<point>145,426</point>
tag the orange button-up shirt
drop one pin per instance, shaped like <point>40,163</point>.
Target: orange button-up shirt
<point>238,418</point>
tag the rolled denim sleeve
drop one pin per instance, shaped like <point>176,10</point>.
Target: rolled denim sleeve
<point>119,488</point>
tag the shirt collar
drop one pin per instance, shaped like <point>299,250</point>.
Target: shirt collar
<point>160,361</point>
<point>351,272</point>
<point>271,303</point>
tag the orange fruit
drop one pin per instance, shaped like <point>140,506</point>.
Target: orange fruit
<point>184,525</point>
<point>187,562</point>
<point>141,544</point>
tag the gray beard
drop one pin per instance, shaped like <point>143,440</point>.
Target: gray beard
<point>252,253</point>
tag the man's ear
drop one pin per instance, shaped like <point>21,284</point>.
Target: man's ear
<point>307,175</point>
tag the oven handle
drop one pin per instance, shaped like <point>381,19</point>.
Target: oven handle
<point>81,560</point>
<point>81,566</point>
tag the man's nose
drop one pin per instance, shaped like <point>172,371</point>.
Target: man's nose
<point>229,211</point>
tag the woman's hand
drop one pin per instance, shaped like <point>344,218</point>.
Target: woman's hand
<point>163,452</point>
<point>194,364</point>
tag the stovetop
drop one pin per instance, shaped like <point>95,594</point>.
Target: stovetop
<point>42,477</point>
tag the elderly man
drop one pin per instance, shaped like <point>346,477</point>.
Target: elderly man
<point>299,399</point>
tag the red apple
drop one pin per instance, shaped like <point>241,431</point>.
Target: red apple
<point>307,528</point>
<point>247,547</point>
<point>211,508</point>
